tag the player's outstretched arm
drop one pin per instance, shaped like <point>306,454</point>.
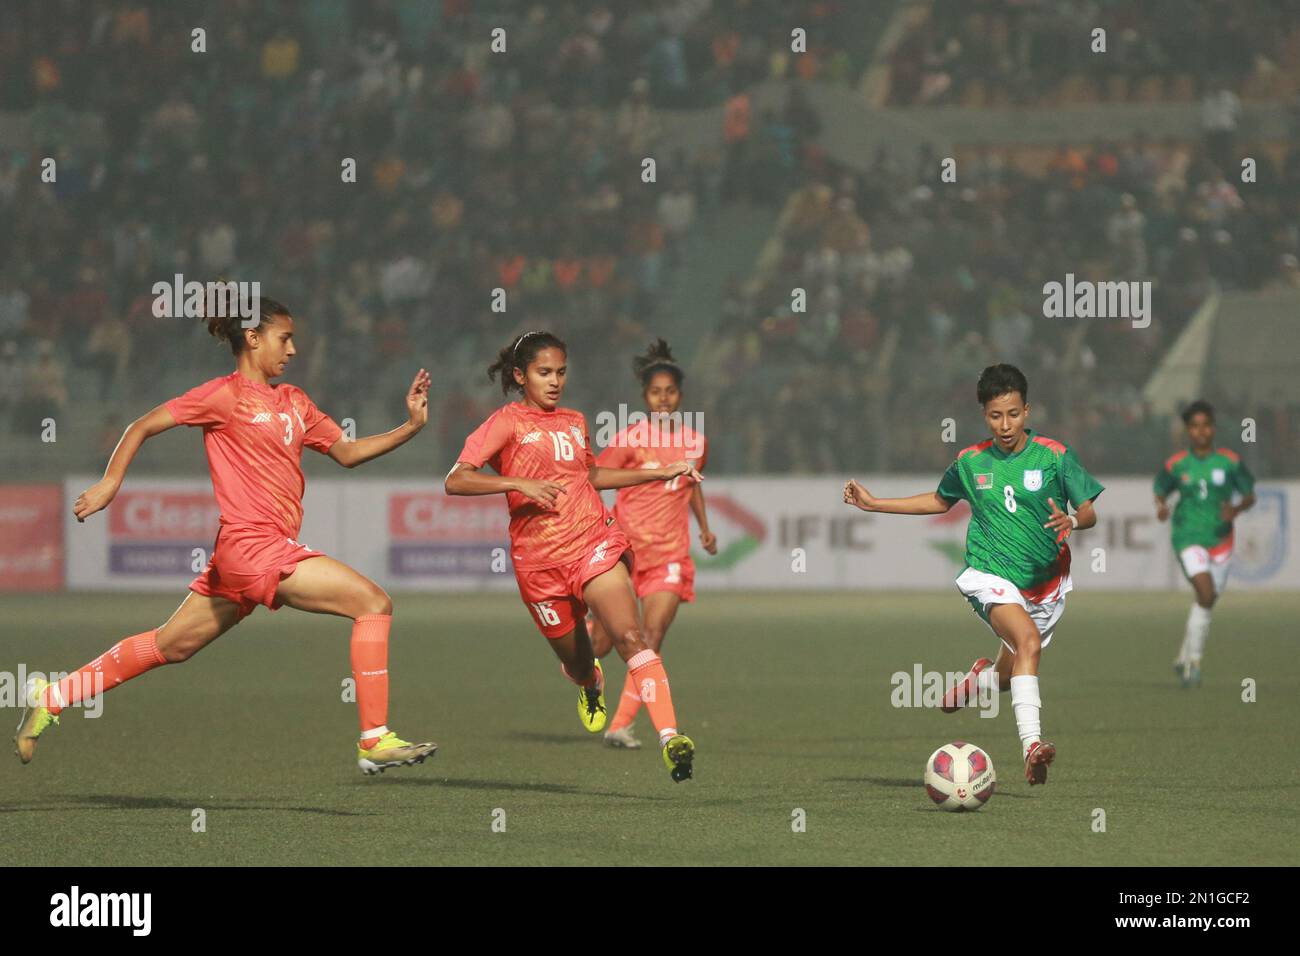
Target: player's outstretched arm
<point>928,503</point>
<point>602,478</point>
<point>1230,511</point>
<point>97,496</point>
<point>349,454</point>
<point>707,538</point>
<point>466,479</point>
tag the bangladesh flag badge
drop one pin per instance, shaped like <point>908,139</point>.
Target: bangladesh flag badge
<point>984,481</point>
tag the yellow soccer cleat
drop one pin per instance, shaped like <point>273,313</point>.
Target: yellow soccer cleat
<point>392,751</point>
<point>679,756</point>
<point>591,703</point>
<point>36,720</point>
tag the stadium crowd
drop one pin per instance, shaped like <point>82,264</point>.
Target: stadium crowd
<point>524,175</point>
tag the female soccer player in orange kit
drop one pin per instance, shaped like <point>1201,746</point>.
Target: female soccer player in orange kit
<point>254,433</point>
<point>655,517</point>
<point>568,551</point>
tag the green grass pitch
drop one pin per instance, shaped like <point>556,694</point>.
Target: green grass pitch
<point>786,695</point>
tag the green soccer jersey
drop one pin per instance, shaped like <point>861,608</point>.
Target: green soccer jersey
<point>1008,502</point>
<point>1204,485</point>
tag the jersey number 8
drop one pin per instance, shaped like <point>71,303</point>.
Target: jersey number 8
<point>1009,497</point>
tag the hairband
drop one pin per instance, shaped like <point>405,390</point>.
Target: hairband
<point>515,351</point>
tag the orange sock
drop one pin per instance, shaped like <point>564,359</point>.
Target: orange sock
<point>647,670</point>
<point>628,705</point>
<point>129,657</point>
<point>370,672</point>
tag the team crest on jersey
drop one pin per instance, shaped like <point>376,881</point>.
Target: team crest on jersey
<point>530,437</point>
<point>1217,476</point>
<point>1033,479</point>
<point>577,436</point>
<point>984,481</point>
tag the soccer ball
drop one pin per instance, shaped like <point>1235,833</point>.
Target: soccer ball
<point>959,776</point>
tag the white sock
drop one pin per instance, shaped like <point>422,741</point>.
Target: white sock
<point>1026,703</point>
<point>1198,628</point>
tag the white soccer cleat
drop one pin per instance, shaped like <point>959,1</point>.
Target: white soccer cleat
<point>623,737</point>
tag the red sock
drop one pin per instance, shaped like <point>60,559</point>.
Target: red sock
<point>370,672</point>
<point>129,657</point>
<point>647,670</point>
<point>629,704</point>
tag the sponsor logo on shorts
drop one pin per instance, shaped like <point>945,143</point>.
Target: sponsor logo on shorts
<point>599,554</point>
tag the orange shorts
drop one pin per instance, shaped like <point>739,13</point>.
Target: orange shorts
<point>248,565</point>
<point>554,595</point>
<point>675,576</point>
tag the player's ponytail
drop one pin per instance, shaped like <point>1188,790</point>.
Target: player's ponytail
<point>226,325</point>
<point>518,354</point>
<point>657,358</point>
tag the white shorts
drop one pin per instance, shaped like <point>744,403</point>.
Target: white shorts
<point>1197,559</point>
<point>982,590</point>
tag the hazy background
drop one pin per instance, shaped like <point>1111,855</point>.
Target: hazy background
<point>774,170</point>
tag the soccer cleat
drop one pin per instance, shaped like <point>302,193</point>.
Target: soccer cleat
<point>35,721</point>
<point>679,755</point>
<point>392,751</point>
<point>591,703</point>
<point>962,694</point>
<point>1037,760</point>
<point>1191,674</point>
<point>623,737</point>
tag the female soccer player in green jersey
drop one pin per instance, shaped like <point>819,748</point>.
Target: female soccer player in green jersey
<point>1017,562</point>
<point>1205,479</point>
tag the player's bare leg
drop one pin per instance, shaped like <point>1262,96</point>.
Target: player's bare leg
<point>323,585</point>
<point>612,599</point>
<point>657,610</point>
<point>1188,664</point>
<point>1012,623</point>
<point>601,643</point>
<point>580,665</point>
<point>196,623</point>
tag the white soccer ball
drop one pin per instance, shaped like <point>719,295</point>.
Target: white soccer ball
<point>959,776</point>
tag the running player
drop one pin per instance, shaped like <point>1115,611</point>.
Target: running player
<point>1205,479</point>
<point>254,433</point>
<point>1017,561</point>
<point>654,516</point>
<point>567,549</point>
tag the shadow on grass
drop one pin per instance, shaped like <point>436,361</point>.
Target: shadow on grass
<point>909,784</point>
<point>109,801</point>
<point>560,789</point>
<point>534,737</point>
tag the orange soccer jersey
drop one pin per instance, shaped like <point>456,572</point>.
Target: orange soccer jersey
<point>523,442</point>
<point>655,515</point>
<point>254,435</point>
